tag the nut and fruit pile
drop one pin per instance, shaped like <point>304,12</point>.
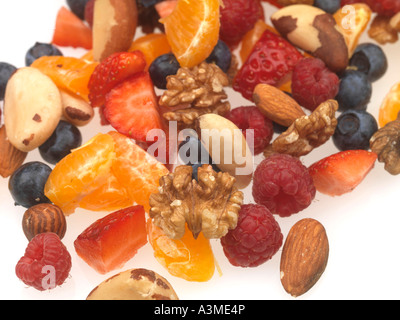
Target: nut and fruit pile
<point>160,76</point>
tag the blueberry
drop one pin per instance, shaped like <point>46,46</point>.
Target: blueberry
<point>78,7</point>
<point>354,130</point>
<point>6,71</point>
<point>355,91</point>
<point>192,151</point>
<point>65,137</point>
<point>163,66</point>
<point>149,3</point>
<point>221,56</point>
<point>27,183</point>
<point>371,60</point>
<point>330,6</point>
<point>40,50</point>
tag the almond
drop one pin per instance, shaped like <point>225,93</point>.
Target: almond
<point>304,256</point>
<point>277,105</point>
<point>10,157</point>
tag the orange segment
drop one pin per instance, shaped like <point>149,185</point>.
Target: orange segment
<point>136,170</point>
<point>110,196</point>
<point>390,106</point>
<point>80,173</point>
<point>152,45</point>
<point>192,30</point>
<point>68,73</point>
<point>188,258</point>
<point>360,18</point>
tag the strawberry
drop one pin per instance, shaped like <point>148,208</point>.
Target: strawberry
<point>341,172</point>
<point>70,31</point>
<point>110,242</point>
<point>270,60</point>
<point>131,107</point>
<point>164,8</point>
<point>111,72</point>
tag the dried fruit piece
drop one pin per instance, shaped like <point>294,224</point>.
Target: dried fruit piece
<point>187,258</point>
<point>209,205</point>
<point>304,256</point>
<point>110,242</point>
<point>386,144</point>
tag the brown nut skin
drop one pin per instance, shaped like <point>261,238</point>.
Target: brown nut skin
<point>304,256</point>
<point>314,31</point>
<point>134,284</point>
<point>114,27</point>
<point>44,217</point>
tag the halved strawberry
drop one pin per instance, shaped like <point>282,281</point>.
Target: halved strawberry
<point>70,31</point>
<point>342,172</point>
<point>111,72</point>
<point>270,60</point>
<point>164,8</point>
<point>110,242</point>
<point>131,107</point>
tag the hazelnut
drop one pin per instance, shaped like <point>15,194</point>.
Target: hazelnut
<point>44,217</point>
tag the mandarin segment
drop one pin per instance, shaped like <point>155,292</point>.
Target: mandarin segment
<point>80,173</point>
<point>192,30</point>
<point>68,73</point>
<point>136,170</point>
<point>187,258</point>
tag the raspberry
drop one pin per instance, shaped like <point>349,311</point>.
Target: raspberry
<point>256,238</point>
<point>283,184</point>
<point>384,7</point>
<point>237,18</point>
<point>313,83</point>
<point>46,263</point>
<point>252,118</point>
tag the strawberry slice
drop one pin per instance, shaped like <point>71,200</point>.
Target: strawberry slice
<point>271,59</point>
<point>110,242</point>
<point>111,72</point>
<point>341,172</point>
<point>70,31</point>
<point>131,107</point>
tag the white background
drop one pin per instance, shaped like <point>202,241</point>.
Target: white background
<point>362,226</point>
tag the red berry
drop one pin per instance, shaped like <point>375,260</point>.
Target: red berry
<point>132,108</point>
<point>251,118</point>
<point>341,172</point>
<point>283,184</point>
<point>237,18</point>
<point>313,83</point>
<point>384,7</point>
<point>46,263</point>
<point>256,238</point>
<point>270,60</point>
<point>111,72</point>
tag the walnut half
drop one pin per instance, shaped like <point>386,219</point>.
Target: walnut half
<point>210,205</point>
<point>386,144</point>
<point>307,132</point>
